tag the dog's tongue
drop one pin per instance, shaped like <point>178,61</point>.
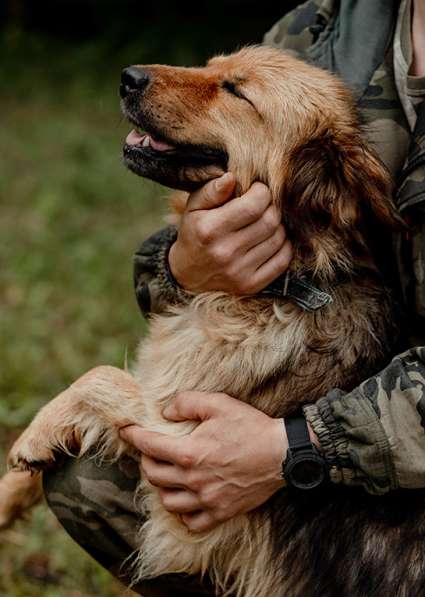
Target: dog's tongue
<point>135,138</point>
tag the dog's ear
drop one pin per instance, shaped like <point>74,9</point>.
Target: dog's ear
<point>336,183</point>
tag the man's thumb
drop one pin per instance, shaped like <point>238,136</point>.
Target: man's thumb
<point>212,194</point>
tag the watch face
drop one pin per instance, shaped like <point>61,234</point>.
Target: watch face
<point>306,471</point>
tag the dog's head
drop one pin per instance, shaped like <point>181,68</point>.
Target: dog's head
<point>265,116</point>
<point>244,112</point>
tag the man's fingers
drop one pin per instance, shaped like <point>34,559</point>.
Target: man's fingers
<point>274,267</point>
<point>199,521</point>
<point>179,501</point>
<point>237,213</point>
<point>162,474</point>
<point>214,193</point>
<point>158,445</point>
<point>260,230</point>
<point>264,250</point>
<point>242,211</point>
<point>192,406</point>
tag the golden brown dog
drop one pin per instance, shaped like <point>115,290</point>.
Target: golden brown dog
<point>264,116</point>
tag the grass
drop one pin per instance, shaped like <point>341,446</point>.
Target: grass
<point>71,217</point>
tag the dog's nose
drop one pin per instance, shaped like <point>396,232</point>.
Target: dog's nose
<point>133,78</point>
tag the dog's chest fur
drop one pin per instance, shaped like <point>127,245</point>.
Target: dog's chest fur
<point>269,353</point>
<point>275,356</point>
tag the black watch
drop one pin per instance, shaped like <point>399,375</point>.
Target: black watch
<point>304,467</point>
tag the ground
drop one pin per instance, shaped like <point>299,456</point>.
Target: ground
<point>71,218</point>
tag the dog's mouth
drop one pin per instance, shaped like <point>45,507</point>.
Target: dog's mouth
<point>149,153</point>
<point>141,139</point>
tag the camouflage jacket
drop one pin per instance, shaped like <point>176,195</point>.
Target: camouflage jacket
<point>373,436</point>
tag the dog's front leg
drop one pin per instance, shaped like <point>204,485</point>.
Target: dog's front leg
<point>84,417</point>
<point>19,491</point>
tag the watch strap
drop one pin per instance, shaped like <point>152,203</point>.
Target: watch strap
<point>297,433</point>
<point>301,450</point>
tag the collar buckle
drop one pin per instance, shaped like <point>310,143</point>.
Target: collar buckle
<point>300,290</point>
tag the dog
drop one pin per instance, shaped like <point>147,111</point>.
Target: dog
<point>265,116</point>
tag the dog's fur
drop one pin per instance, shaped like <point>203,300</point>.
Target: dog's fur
<point>295,129</point>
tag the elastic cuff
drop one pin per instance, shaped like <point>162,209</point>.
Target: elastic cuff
<point>155,285</point>
<point>165,275</point>
<point>170,290</point>
<point>357,451</point>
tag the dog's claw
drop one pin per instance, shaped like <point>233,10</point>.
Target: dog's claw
<point>33,466</point>
<point>28,454</point>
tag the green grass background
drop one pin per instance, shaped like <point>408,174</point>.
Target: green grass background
<point>71,217</point>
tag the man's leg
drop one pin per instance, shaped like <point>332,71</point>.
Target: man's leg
<point>95,505</point>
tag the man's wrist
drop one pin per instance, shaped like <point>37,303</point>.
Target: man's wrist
<point>284,438</point>
<point>176,273</point>
<point>280,437</point>
<point>172,268</point>
<point>279,444</point>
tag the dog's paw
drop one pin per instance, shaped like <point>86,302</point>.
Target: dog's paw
<point>31,452</point>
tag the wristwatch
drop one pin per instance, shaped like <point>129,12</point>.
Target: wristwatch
<point>304,468</point>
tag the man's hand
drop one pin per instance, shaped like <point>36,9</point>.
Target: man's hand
<point>235,245</point>
<point>231,463</point>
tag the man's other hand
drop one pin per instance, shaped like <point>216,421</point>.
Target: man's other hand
<point>237,245</point>
<point>231,462</point>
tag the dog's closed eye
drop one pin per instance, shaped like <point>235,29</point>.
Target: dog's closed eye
<point>233,89</point>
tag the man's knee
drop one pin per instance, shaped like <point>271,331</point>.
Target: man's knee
<point>95,504</point>
<point>107,488</point>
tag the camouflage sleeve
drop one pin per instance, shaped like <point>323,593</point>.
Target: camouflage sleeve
<point>154,283</point>
<point>298,29</point>
<point>374,436</point>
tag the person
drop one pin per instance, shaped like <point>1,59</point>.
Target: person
<point>373,436</point>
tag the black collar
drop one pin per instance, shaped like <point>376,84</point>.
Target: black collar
<point>300,290</point>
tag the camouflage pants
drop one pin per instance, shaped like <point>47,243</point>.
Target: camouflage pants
<point>95,506</point>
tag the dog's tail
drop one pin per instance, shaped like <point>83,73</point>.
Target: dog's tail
<point>19,491</point>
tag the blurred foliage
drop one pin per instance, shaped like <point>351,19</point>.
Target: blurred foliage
<point>164,30</point>
<point>71,217</point>
<point>38,559</point>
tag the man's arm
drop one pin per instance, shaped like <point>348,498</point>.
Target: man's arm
<point>154,285</point>
<point>374,436</point>
<point>234,244</point>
